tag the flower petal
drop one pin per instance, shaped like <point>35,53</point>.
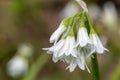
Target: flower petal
<point>82,37</point>
<point>55,36</point>
<point>97,42</point>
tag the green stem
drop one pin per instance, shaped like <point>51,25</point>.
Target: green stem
<point>95,70</point>
<point>36,67</point>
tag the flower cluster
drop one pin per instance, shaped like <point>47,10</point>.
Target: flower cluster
<point>75,40</point>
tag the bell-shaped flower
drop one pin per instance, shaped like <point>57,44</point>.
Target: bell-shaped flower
<point>63,48</point>
<point>97,43</point>
<point>56,35</point>
<point>55,49</point>
<point>82,37</point>
<point>68,48</point>
<point>88,50</point>
<point>79,61</point>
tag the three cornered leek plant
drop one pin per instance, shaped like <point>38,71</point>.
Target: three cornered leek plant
<point>75,40</point>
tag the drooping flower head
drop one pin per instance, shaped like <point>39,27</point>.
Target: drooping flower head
<point>74,41</point>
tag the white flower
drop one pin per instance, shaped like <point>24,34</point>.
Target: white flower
<point>110,16</point>
<point>68,48</point>
<point>71,50</point>
<point>88,50</point>
<point>82,65</point>
<point>17,66</point>
<point>55,49</point>
<point>56,35</point>
<point>82,37</point>
<point>69,10</point>
<point>72,65</point>
<point>97,43</point>
<point>63,47</point>
<point>79,61</point>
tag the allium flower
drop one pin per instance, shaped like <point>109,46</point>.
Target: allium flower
<point>82,37</point>
<point>79,61</point>
<point>97,43</point>
<point>64,47</point>
<point>82,65</point>
<point>88,50</point>
<point>55,49</point>
<point>68,48</point>
<point>72,49</point>
<point>56,35</point>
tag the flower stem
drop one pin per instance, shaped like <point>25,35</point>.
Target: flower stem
<point>95,70</point>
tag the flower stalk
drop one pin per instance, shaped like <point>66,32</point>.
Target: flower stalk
<point>95,69</point>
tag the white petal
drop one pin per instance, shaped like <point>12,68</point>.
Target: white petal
<point>106,49</point>
<point>87,68</point>
<point>55,36</point>
<point>72,67</point>
<point>80,62</point>
<point>96,41</point>
<point>55,59</point>
<point>59,45</point>
<point>71,49</point>
<point>89,49</point>
<point>49,50</point>
<point>82,37</point>
<point>68,59</point>
<point>65,49</point>
<point>74,53</point>
<point>45,49</point>
<point>83,62</point>
<point>61,52</point>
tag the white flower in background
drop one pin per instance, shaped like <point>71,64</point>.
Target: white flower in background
<point>94,12</point>
<point>17,66</point>
<point>109,16</point>
<point>69,10</point>
<point>56,35</point>
<point>25,49</point>
<point>83,5</point>
<point>97,43</point>
<point>82,37</point>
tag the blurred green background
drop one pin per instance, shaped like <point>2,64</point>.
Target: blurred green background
<point>25,28</point>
